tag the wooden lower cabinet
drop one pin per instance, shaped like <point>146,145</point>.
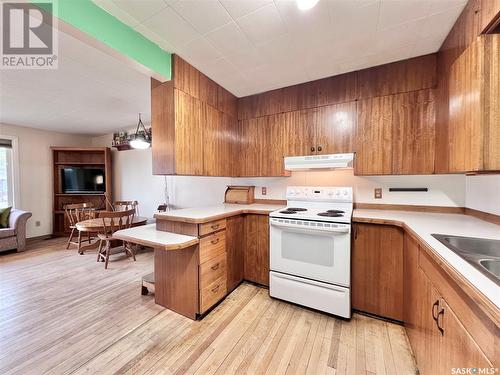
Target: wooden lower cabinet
<point>235,240</point>
<point>377,270</point>
<point>256,257</point>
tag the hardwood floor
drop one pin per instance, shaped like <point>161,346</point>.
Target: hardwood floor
<point>63,313</point>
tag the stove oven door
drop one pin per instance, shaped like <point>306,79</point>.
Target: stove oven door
<point>317,251</point>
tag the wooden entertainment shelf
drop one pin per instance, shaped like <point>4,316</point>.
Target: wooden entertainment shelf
<point>81,157</point>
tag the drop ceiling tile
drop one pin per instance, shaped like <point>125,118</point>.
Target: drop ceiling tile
<point>283,50</point>
<point>344,14</point>
<point>299,23</point>
<point>246,59</point>
<point>395,12</point>
<point>398,36</point>
<point>140,10</point>
<point>155,38</point>
<point>439,24</point>
<point>110,7</point>
<point>262,25</point>
<point>199,50</point>
<point>438,6</point>
<point>173,28</point>
<point>203,15</point>
<point>229,39</point>
<point>239,8</point>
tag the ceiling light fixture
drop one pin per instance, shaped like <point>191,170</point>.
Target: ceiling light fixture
<point>306,4</point>
<point>141,140</point>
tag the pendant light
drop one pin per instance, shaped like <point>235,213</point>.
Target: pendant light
<point>141,140</point>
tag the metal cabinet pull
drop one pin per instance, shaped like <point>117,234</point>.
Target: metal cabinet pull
<point>434,314</point>
<point>215,226</point>
<point>215,241</point>
<point>441,329</point>
<point>214,290</point>
<point>216,266</point>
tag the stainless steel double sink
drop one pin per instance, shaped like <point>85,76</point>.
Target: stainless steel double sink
<point>482,253</point>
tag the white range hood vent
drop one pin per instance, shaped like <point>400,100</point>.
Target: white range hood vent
<point>332,161</point>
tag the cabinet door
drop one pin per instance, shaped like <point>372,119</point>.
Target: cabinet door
<point>411,290</point>
<point>188,135</point>
<point>298,132</point>
<point>335,128</point>
<point>217,158</point>
<point>457,349</point>
<point>413,133</point>
<point>256,266</point>
<point>377,270</point>
<point>374,136</point>
<point>235,244</point>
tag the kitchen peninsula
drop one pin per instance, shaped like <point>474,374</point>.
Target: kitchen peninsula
<point>202,254</point>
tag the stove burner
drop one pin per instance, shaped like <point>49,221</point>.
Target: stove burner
<point>330,214</point>
<point>335,212</point>
<point>296,209</point>
<point>288,212</point>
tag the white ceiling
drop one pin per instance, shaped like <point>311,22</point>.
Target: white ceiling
<point>90,93</point>
<point>250,46</point>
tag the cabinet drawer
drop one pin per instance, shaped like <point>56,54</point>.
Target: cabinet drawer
<point>212,270</point>
<point>212,227</point>
<point>212,294</point>
<point>212,246</point>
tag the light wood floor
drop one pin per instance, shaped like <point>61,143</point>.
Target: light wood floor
<point>62,313</point>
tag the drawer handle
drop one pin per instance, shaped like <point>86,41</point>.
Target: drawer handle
<point>215,266</point>
<point>441,329</point>
<point>434,305</point>
<point>215,226</point>
<point>215,241</point>
<point>214,290</point>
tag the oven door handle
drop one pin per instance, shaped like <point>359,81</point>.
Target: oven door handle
<point>310,228</point>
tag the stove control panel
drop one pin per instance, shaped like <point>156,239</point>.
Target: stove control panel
<point>320,194</point>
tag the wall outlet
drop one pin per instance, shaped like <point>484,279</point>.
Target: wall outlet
<point>264,190</point>
<point>37,223</point>
<point>378,193</point>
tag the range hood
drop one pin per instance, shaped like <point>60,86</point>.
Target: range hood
<point>297,163</point>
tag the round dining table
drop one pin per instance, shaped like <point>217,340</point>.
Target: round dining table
<point>96,226</point>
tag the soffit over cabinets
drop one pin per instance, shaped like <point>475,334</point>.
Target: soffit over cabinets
<point>254,46</point>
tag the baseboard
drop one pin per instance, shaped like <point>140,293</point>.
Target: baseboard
<point>39,238</point>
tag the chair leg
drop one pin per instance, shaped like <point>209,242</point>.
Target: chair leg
<point>80,243</point>
<point>108,250</point>
<point>99,251</point>
<point>129,248</point>
<point>70,238</point>
<point>88,236</point>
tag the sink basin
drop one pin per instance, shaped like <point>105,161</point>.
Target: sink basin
<point>492,265</point>
<point>482,253</point>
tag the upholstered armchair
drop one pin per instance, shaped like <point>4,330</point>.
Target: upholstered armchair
<point>14,237</point>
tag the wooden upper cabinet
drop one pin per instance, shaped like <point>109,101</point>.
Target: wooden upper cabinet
<point>474,107</point>
<point>188,134</point>
<point>413,133</point>
<point>335,128</point>
<point>186,78</point>
<point>374,136</point>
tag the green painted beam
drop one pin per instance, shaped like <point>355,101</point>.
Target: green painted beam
<point>99,24</point>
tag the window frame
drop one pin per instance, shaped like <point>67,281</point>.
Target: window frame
<point>16,189</point>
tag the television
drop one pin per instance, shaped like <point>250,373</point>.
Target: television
<point>80,180</point>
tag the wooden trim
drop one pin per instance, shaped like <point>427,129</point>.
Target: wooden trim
<point>486,216</point>
<point>270,201</point>
<point>39,238</point>
<point>483,303</point>
<point>410,207</point>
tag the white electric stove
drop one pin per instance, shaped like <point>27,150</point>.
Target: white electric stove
<point>310,249</point>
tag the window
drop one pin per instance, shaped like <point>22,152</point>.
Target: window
<point>8,171</point>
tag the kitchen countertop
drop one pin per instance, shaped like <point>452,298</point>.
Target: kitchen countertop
<point>147,235</point>
<point>204,214</point>
<point>424,224</point>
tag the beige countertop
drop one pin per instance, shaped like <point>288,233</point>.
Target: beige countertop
<point>424,224</point>
<point>205,214</point>
<point>147,235</point>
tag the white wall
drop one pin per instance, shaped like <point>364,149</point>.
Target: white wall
<point>35,172</point>
<point>483,193</point>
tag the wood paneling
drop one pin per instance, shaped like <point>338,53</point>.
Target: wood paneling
<point>176,281</point>
<point>335,128</point>
<point>186,78</point>
<point>256,263</point>
<point>163,127</point>
<point>338,89</point>
<point>208,91</point>
<point>398,77</point>
<point>374,136</point>
<point>235,245</point>
<point>188,134</point>
<point>413,133</point>
<point>227,102</point>
<point>377,269</point>
<point>189,229</point>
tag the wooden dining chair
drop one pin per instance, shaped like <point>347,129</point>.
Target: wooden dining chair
<point>126,205</point>
<point>74,213</point>
<point>112,222</point>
